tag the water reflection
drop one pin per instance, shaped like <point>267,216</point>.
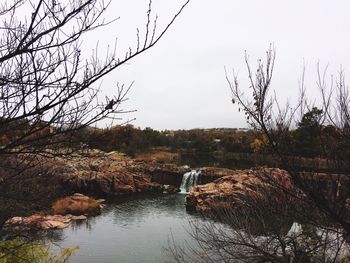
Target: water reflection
<point>130,229</point>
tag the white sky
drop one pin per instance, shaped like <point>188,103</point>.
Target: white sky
<point>180,83</point>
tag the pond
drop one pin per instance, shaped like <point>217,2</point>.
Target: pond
<point>130,229</point>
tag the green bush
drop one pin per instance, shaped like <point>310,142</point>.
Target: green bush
<point>22,251</point>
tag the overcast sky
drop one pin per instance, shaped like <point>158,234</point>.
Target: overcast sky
<point>180,83</point>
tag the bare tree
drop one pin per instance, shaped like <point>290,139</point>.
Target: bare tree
<point>271,222</point>
<point>258,235</point>
<point>264,112</point>
<point>49,90</point>
<point>48,86</point>
<point>311,143</point>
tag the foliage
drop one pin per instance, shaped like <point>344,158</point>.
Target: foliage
<point>308,133</point>
<point>21,251</point>
<point>311,120</point>
<point>259,234</point>
<point>132,141</point>
<point>76,206</point>
<point>49,84</point>
<point>322,135</point>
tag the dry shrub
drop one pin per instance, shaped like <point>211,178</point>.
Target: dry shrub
<point>161,156</point>
<point>77,205</point>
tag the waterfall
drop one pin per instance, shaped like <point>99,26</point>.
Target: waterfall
<point>189,180</point>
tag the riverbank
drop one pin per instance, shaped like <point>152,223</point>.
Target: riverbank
<point>131,228</point>
<point>31,183</point>
<point>99,174</point>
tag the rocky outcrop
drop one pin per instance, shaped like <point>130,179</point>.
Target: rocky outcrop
<point>64,211</point>
<point>210,174</point>
<point>217,172</point>
<point>113,174</point>
<point>160,172</point>
<point>42,180</point>
<point>238,188</point>
<point>42,222</point>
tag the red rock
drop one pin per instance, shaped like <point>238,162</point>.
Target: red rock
<point>234,190</point>
<point>81,217</point>
<point>50,224</point>
<point>43,222</point>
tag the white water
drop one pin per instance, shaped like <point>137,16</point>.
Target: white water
<point>189,180</point>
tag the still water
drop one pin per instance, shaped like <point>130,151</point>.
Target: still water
<point>133,229</point>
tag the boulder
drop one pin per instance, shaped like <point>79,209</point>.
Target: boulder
<point>42,222</point>
<point>239,188</point>
<point>66,210</point>
<point>170,189</point>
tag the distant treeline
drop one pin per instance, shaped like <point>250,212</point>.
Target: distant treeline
<point>309,139</point>
<point>132,141</point>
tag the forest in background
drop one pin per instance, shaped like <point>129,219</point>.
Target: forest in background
<point>314,143</point>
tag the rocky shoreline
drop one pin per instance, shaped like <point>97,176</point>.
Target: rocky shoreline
<point>112,175</point>
<point>268,190</point>
<point>96,174</point>
<point>93,173</point>
<point>99,174</point>
<point>236,188</point>
<point>62,213</point>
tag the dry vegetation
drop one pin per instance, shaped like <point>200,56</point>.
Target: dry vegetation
<point>161,156</point>
<point>77,205</point>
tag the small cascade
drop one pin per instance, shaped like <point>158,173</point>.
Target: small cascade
<point>189,180</point>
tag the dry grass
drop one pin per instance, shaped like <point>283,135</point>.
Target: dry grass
<point>77,205</point>
<point>162,156</point>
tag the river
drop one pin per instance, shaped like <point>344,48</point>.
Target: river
<point>130,229</point>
